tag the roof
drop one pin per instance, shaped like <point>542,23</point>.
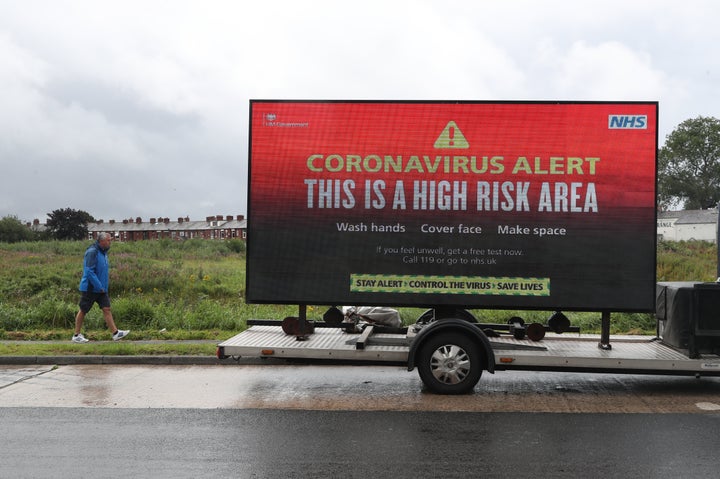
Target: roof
<point>129,226</point>
<point>698,217</point>
<point>668,215</point>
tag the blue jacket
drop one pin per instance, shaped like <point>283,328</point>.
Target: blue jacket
<point>96,270</point>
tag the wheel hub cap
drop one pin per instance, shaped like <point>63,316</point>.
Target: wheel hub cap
<point>450,364</point>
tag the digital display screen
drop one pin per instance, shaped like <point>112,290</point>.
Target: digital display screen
<point>528,205</point>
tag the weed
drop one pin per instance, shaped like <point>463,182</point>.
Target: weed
<point>197,286</point>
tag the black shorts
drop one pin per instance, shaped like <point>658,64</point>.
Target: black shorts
<point>87,300</point>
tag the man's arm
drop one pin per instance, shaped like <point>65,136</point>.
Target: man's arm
<point>91,270</point>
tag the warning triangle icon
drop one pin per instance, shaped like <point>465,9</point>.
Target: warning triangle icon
<point>451,137</point>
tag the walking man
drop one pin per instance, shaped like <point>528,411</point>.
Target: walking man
<point>94,288</point>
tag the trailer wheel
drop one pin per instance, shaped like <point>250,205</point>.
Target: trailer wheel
<point>436,314</point>
<point>450,363</point>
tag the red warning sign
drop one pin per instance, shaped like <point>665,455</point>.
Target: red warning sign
<point>526,204</point>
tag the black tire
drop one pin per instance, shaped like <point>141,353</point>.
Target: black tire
<point>437,314</point>
<point>450,363</point>
<point>427,317</point>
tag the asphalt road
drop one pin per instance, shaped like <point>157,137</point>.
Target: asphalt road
<point>304,421</point>
<point>337,387</point>
<point>239,443</point>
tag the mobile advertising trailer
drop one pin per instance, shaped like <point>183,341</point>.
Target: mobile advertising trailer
<point>455,208</point>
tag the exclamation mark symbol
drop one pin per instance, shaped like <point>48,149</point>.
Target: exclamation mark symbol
<point>450,137</point>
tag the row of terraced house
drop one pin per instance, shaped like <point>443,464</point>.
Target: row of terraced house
<point>213,228</point>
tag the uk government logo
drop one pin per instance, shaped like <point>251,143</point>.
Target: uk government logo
<point>271,120</point>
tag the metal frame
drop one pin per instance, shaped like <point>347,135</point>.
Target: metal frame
<point>641,354</point>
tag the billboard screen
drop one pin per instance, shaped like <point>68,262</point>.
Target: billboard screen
<point>529,205</point>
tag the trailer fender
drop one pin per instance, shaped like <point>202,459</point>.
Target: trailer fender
<point>452,324</point>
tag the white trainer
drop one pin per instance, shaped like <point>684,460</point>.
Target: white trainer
<point>120,334</point>
<point>79,338</point>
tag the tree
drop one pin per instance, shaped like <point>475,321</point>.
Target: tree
<point>13,231</point>
<point>689,165</point>
<point>68,224</point>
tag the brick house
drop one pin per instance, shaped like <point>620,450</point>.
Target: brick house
<point>213,228</point>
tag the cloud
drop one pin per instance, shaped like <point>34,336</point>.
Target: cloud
<point>140,108</point>
<point>604,71</point>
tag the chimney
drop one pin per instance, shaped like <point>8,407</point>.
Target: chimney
<point>187,218</point>
<point>210,219</point>
<point>228,218</point>
<point>100,222</point>
<point>112,222</point>
<point>36,221</point>
<point>166,220</point>
<point>138,220</point>
<point>180,220</point>
<point>125,222</point>
<point>152,221</point>
<point>240,217</point>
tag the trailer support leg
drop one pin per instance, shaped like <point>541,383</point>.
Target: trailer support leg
<point>605,331</point>
<point>303,326</point>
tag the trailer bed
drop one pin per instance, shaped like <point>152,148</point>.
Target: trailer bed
<point>324,343</point>
<point>628,354</point>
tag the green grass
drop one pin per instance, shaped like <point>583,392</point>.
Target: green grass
<point>125,348</point>
<point>104,335</point>
<point>195,290</point>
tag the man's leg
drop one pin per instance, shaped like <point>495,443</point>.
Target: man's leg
<point>107,314</point>
<point>116,333</point>
<point>79,318</point>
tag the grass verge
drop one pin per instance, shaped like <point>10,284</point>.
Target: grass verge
<point>140,343</point>
<point>125,348</point>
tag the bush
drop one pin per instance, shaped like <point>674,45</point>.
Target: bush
<point>11,317</point>
<point>134,313</point>
<point>686,261</point>
<point>210,315</point>
<point>235,245</point>
<point>131,274</point>
<point>53,314</point>
<point>13,231</point>
<point>46,314</point>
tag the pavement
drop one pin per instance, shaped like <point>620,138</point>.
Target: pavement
<point>351,388</point>
<point>155,359</point>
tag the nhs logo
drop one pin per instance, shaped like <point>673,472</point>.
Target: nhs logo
<point>628,122</point>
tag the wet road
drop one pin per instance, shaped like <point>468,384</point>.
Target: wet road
<point>286,421</point>
<point>327,387</point>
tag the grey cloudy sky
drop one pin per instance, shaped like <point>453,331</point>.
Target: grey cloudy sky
<point>140,108</point>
